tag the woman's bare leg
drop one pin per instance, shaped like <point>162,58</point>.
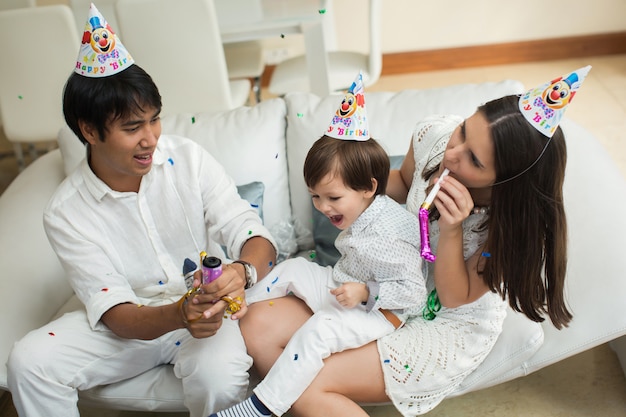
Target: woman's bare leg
<point>350,377</point>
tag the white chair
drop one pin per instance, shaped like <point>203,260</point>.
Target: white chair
<point>15,4</point>
<point>291,74</point>
<point>245,60</point>
<point>33,74</point>
<point>179,44</point>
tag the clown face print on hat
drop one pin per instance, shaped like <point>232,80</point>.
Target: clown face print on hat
<point>544,106</point>
<point>101,53</point>
<point>350,120</point>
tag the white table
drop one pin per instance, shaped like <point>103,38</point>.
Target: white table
<point>245,20</point>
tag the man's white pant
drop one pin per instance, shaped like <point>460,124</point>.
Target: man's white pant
<point>49,365</point>
<point>331,329</point>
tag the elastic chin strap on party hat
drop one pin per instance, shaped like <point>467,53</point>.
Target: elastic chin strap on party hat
<point>527,169</point>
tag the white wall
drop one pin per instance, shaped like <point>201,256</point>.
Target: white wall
<point>411,25</point>
<point>418,24</point>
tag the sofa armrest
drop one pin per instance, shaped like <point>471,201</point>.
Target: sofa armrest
<point>32,283</point>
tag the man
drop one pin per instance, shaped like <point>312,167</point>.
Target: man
<point>122,225</point>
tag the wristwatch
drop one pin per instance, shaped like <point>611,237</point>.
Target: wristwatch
<point>250,271</point>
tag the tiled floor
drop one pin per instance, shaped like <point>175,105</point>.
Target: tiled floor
<point>588,384</point>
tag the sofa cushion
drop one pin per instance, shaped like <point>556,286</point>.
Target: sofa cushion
<point>253,193</point>
<point>72,150</point>
<point>392,118</point>
<point>248,141</point>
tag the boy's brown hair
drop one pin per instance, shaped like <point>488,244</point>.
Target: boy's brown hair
<point>355,162</point>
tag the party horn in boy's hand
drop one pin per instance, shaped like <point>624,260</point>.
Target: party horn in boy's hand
<point>425,251</point>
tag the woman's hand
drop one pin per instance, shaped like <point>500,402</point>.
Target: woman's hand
<point>351,294</point>
<point>457,280</point>
<point>454,204</point>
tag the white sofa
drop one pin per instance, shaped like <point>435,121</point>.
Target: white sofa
<point>267,143</point>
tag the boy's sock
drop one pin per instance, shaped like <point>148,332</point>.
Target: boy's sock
<point>252,407</point>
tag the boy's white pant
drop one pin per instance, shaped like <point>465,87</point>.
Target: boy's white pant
<point>331,329</point>
<point>49,365</point>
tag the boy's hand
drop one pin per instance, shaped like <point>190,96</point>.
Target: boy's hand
<point>351,294</point>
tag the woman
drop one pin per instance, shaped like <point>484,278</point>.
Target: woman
<point>498,227</point>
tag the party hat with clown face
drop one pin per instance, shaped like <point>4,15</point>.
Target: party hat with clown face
<point>350,120</point>
<point>544,106</point>
<point>101,53</point>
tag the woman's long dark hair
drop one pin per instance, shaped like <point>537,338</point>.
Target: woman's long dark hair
<point>527,229</point>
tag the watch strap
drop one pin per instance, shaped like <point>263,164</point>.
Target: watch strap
<point>248,268</point>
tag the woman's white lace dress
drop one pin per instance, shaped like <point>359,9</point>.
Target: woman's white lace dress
<point>424,361</point>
